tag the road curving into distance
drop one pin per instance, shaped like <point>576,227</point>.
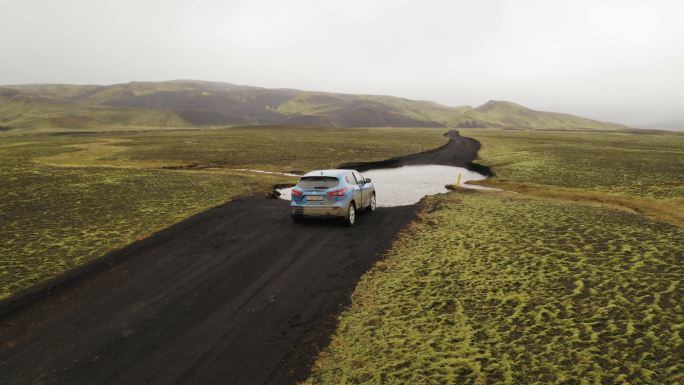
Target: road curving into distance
<point>237,294</point>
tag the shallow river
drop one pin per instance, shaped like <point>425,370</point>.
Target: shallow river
<point>406,185</point>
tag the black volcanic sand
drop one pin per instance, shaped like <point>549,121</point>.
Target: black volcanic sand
<point>238,294</point>
<point>458,151</point>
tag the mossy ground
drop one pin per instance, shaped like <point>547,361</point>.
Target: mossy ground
<point>69,199</point>
<point>642,165</point>
<point>563,282</point>
<point>498,288</point>
<point>278,148</point>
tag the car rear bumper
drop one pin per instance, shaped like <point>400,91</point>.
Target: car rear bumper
<point>318,211</point>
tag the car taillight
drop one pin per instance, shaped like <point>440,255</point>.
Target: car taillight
<point>337,193</point>
<point>297,193</point>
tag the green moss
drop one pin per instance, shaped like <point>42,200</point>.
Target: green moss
<point>57,218</point>
<point>279,148</point>
<point>69,199</point>
<point>634,164</point>
<point>496,288</point>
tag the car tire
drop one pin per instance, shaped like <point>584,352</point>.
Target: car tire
<point>296,218</point>
<point>372,205</point>
<point>350,218</point>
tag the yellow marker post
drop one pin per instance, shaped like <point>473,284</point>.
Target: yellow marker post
<point>458,180</point>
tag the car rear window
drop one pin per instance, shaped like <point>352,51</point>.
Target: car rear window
<point>314,182</point>
<point>350,179</point>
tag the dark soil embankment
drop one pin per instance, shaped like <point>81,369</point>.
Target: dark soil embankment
<point>458,151</point>
<point>235,295</point>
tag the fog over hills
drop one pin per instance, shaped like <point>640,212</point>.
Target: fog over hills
<point>676,125</point>
<point>183,103</point>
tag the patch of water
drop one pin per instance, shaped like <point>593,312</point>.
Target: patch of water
<point>406,185</point>
<point>266,172</point>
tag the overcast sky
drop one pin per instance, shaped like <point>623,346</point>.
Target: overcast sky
<point>618,60</point>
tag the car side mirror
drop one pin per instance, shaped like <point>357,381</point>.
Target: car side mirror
<point>367,180</point>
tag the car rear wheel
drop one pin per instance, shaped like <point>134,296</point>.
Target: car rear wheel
<point>350,219</point>
<point>372,205</point>
<point>293,214</point>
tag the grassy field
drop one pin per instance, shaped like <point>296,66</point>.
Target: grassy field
<point>497,288</point>
<point>559,280</point>
<point>641,165</point>
<point>561,283</point>
<point>641,172</point>
<point>68,199</point>
<point>278,149</point>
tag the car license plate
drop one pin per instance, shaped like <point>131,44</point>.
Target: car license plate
<point>314,198</point>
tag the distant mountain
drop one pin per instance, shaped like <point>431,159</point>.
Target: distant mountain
<point>504,114</point>
<point>671,125</point>
<point>183,103</point>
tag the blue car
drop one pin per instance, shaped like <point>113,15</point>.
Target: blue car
<point>332,193</point>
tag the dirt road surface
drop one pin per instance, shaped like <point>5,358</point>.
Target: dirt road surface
<point>235,295</point>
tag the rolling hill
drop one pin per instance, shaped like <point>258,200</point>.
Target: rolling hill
<point>504,114</point>
<point>184,103</point>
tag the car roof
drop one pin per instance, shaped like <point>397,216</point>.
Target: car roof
<point>337,173</point>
